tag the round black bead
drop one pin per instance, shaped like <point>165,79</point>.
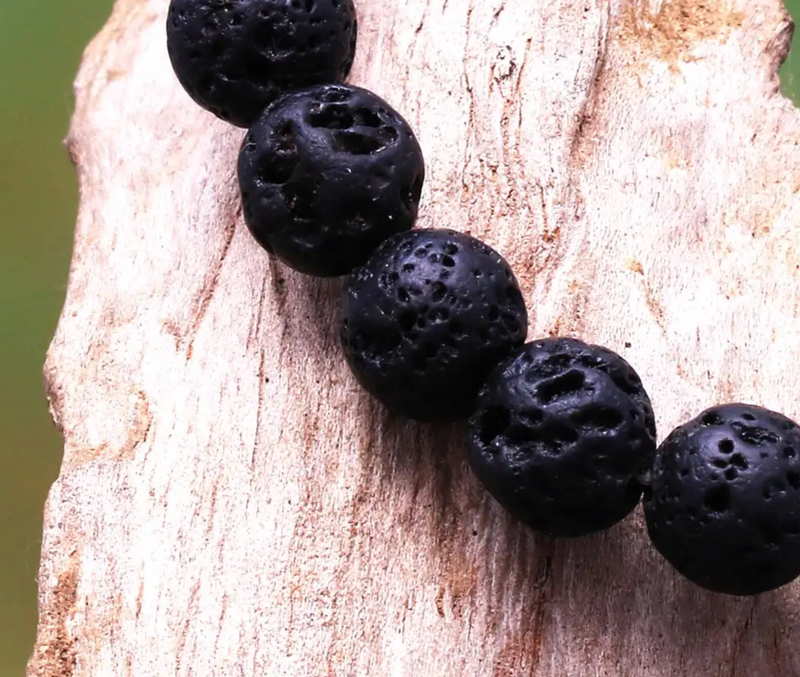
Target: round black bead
<point>235,57</point>
<point>326,175</point>
<point>427,317</point>
<point>561,435</point>
<point>724,505</point>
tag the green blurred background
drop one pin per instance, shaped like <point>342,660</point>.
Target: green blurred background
<point>40,47</point>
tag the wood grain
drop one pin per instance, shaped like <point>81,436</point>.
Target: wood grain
<point>230,503</point>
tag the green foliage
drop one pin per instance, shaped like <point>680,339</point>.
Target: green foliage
<point>40,47</point>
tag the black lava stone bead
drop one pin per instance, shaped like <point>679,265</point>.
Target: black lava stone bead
<point>724,505</point>
<point>235,57</point>
<point>562,434</point>
<point>326,175</point>
<point>426,318</point>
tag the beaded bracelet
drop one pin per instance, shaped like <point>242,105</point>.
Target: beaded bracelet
<point>560,433</point>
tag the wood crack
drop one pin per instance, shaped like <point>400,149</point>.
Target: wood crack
<point>210,287</point>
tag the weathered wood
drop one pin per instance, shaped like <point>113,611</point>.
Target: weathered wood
<point>231,503</point>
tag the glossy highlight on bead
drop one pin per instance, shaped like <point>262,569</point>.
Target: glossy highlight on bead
<point>235,57</point>
<point>326,174</point>
<point>562,433</point>
<point>426,318</point>
<point>724,503</point>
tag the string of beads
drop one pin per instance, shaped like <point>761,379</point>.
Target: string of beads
<point>560,432</point>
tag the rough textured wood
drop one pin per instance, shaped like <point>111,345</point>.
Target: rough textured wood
<point>231,504</point>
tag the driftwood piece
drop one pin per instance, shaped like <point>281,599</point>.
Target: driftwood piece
<point>230,503</point>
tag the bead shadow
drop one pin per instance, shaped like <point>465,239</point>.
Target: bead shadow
<point>314,305</point>
<point>747,632</point>
<point>417,457</point>
<point>542,596</point>
<point>486,558</point>
<point>614,586</point>
<point>405,453</point>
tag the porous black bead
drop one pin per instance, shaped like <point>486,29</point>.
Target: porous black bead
<point>562,434</point>
<point>235,57</point>
<point>328,173</point>
<point>724,505</point>
<point>427,317</point>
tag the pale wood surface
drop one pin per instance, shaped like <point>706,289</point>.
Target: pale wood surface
<point>231,503</point>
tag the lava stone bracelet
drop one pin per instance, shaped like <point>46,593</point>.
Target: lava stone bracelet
<point>561,433</point>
